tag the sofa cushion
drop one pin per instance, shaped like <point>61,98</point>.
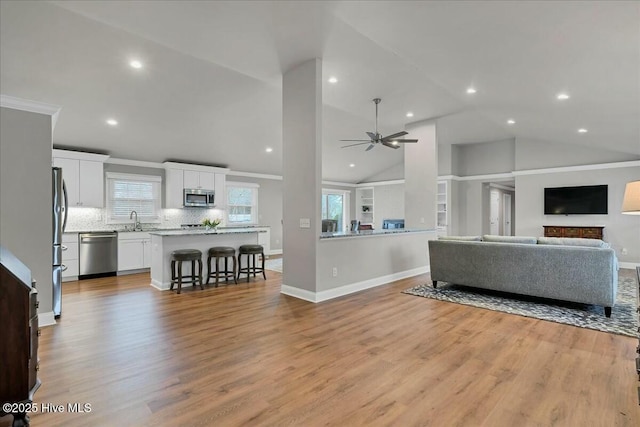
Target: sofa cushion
<point>461,238</point>
<point>572,241</point>
<point>509,239</point>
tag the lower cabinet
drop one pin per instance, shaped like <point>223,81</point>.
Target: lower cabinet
<point>264,239</point>
<point>134,251</point>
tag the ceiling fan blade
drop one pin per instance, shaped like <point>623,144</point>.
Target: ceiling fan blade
<point>390,145</point>
<point>361,140</point>
<point>395,135</point>
<point>369,147</point>
<point>404,141</point>
<point>372,135</point>
<point>353,145</point>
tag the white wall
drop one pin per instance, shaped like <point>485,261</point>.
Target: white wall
<point>26,196</point>
<point>621,231</point>
<point>388,203</point>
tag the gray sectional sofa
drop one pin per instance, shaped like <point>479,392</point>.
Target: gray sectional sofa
<point>578,270</point>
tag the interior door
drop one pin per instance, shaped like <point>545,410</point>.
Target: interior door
<point>506,214</point>
<point>494,212</point>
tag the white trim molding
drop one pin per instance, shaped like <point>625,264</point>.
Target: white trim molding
<point>52,110</point>
<point>140,163</point>
<point>79,155</point>
<point>615,165</point>
<point>46,319</point>
<point>192,167</point>
<point>630,265</point>
<point>351,288</point>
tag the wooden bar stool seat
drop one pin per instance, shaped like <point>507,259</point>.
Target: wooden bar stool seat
<point>217,253</point>
<point>180,256</point>
<point>251,251</point>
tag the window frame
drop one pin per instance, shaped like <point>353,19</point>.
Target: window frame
<point>229,185</point>
<point>156,182</point>
<point>346,208</point>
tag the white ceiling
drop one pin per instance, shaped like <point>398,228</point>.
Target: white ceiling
<point>210,89</point>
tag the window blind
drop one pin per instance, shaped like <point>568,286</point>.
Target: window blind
<point>128,192</point>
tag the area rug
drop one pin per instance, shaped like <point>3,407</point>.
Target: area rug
<point>623,320</point>
<point>273,264</point>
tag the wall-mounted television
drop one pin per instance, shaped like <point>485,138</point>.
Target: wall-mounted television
<point>584,200</point>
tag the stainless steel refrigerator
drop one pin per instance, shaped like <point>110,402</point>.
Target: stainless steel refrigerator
<point>60,205</point>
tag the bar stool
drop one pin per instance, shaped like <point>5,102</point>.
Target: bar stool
<point>218,252</point>
<point>251,251</point>
<point>179,257</point>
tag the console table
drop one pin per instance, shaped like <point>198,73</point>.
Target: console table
<point>590,232</point>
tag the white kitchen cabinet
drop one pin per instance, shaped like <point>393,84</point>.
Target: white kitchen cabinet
<point>134,251</point>
<point>179,176</point>
<point>220,191</point>
<point>70,257</point>
<point>198,179</point>
<point>174,182</point>
<point>83,174</point>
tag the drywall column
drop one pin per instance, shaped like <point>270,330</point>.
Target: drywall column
<point>421,176</point>
<point>26,197</point>
<point>302,173</point>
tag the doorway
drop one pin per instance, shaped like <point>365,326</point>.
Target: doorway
<point>501,209</point>
<point>335,206</point>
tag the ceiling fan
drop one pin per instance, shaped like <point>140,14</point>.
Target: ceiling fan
<point>391,141</point>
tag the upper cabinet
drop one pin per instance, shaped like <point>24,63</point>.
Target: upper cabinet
<point>198,179</point>
<point>183,175</point>
<point>83,175</point>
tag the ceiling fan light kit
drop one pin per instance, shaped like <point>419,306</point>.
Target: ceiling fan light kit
<point>392,141</point>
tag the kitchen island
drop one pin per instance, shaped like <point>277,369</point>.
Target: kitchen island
<point>165,242</point>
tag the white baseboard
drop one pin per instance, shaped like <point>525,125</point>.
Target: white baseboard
<point>275,252</point>
<point>46,319</point>
<point>159,285</point>
<point>351,288</point>
<point>631,265</point>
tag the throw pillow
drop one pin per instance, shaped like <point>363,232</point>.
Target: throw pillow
<point>461,238</point>
<point>509,239</point>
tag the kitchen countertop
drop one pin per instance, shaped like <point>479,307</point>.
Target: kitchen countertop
<point>383,232</point>
<point>199,231</point>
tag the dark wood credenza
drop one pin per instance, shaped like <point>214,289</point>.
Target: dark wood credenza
<point>19,334</point>
<point>590,232</point>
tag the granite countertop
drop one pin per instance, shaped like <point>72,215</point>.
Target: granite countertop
<point>196,232</point>
<point>362,233</point>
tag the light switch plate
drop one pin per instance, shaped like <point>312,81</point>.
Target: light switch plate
<point>305,223</point>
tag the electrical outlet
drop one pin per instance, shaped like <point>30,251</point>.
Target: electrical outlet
<point>421,220</point>
<point>624,251</point>
<point>335,271</point>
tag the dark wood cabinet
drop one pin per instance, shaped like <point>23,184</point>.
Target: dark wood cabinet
<point>591,232</point>
<point>19,333</point>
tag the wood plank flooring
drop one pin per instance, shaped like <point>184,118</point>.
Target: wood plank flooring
<point>245,355</point>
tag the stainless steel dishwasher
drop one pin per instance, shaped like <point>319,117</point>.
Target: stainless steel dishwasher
<point>98,254</point>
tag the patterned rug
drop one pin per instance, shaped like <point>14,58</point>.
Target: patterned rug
<point>623,320</point>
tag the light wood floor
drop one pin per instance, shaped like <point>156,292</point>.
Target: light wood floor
<point>245,355</point>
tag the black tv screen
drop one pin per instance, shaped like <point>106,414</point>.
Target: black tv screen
<point>585,200</point>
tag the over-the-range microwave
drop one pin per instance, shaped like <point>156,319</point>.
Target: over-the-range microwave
<point>198,198</point>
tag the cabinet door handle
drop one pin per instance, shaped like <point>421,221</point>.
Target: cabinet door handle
<point>64,267</point>
<point>63,247</point>
<point>39,332</point>
<point>37,304</point>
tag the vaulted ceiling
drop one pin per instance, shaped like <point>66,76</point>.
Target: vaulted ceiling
<point>210,87</point>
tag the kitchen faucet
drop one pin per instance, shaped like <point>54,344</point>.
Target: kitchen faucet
<point>136,224</point>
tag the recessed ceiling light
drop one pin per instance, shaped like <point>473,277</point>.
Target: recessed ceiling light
<point>582,130</point>
<point>562,96</point>
<point>333,80</point>
<point>112,122</point>
<point>409,114</point>
<point>352,165</point>
<point>511,122</point>
<point>268,149</point>
<point>135,64</point>
<point>471,90</point>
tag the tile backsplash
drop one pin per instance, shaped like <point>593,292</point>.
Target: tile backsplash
<point>94,219</point>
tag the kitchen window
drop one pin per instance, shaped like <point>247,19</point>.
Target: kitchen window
<point>242,203</point>
<point>129,192</point>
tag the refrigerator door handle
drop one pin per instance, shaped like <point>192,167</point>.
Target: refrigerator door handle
<point>66,205</point>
